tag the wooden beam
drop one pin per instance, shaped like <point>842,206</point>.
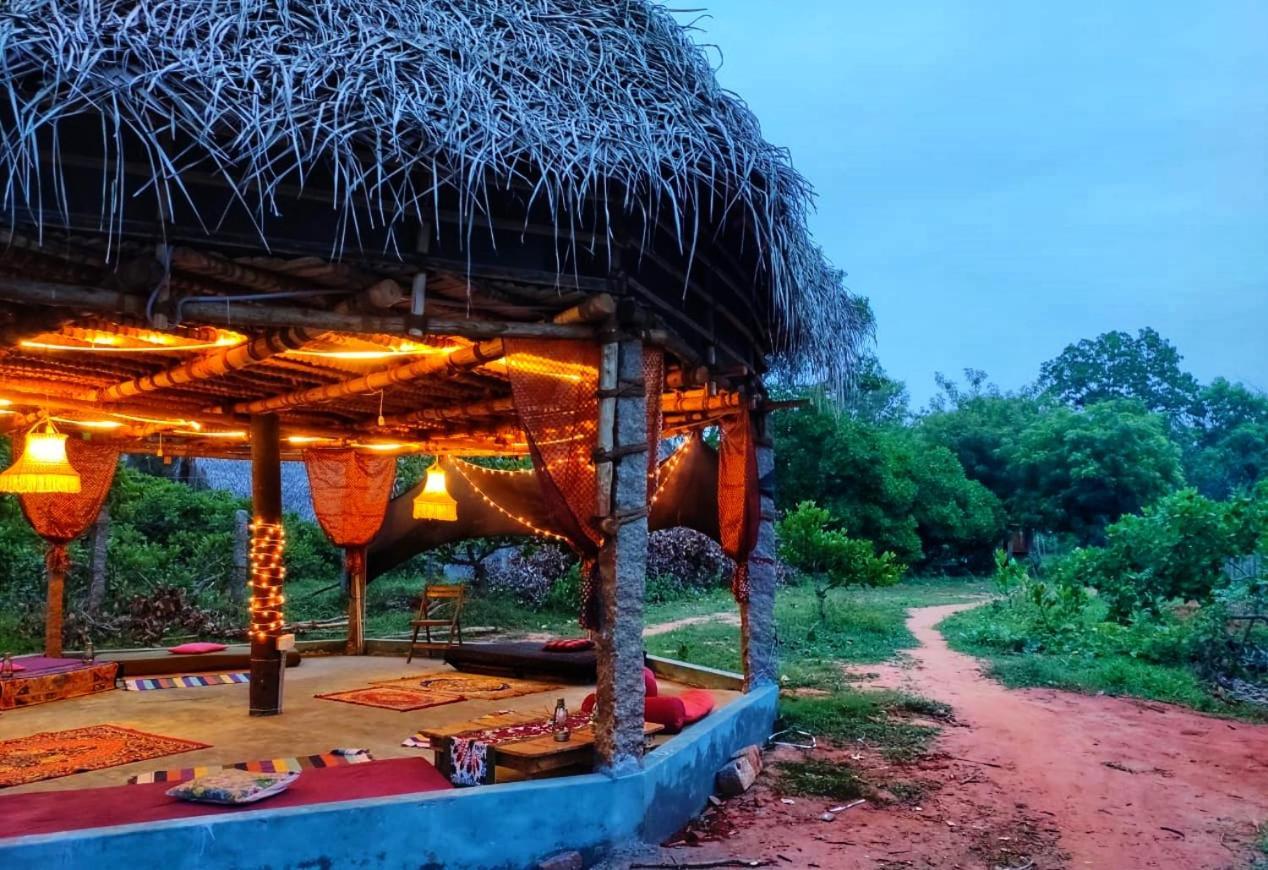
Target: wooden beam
<point>699,400</point>
<point>443,365</point>
<point>222,311</point>
<point>212,365</point>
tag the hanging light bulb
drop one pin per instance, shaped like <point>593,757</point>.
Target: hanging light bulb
<point>435,502</point>
<point>43,466</point>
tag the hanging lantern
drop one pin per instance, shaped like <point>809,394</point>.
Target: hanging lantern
<point>43,466</point>
<point>435,502</point>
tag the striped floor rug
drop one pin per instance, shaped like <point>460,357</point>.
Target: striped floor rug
<point>268,765</point>
<point>183,681</point>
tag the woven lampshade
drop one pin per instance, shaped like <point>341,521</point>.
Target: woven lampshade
<point>43,466</point>
<point>435,502</point>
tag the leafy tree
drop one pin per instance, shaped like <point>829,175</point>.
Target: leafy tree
<point>1228,449</point>
<point>877,398</point>
<point>980,427</point>
<point>885,484</point>
<point>830,558</point>
<point>1116,365</point>
<point>1078,471</point>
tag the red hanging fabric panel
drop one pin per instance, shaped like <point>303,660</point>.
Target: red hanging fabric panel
<point>555,387</point>
<point>350,492</point>
<point>739,501</point>
<point>61,517</point>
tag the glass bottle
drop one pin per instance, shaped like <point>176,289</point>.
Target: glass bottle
<point>560,722</point>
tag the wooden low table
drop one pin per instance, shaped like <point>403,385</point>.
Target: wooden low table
<point>535,756</point>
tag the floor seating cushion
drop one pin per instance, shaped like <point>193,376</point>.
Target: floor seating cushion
<point>196,649</point>
<point>675,712</point>
<point>524,659</point>
<point>71,810</point>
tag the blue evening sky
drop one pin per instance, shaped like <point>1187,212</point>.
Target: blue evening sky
<point>1002,178</point>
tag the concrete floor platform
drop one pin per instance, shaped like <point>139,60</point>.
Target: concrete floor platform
<point>308,726</point>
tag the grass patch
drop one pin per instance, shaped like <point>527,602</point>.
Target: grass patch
<point>871,718</point>
<point>980,632</point>
<point>864,626</point>
<point>817,778</point>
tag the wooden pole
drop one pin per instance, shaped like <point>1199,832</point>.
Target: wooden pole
<point>622,558</point>
<point>356,600</point>
<point>266,504</point>
<point>215,364</point>
<point>449,364</point>
<point>225,312</point>
<point>55,575</point>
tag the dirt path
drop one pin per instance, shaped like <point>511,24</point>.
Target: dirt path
<point>726,618</point>
<point>1042,776</point>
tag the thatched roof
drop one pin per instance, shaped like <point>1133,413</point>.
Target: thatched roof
<point>577,102</point>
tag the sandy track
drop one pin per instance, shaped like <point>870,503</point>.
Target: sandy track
<point>1068,781</point>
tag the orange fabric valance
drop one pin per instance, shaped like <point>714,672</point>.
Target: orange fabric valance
<point>739,501</point>
<point>350,492</point>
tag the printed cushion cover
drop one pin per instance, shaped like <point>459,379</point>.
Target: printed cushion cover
<point>233,787</point>
<point>194,649</point>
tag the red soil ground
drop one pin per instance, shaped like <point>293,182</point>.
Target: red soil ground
<point>1033,779</point>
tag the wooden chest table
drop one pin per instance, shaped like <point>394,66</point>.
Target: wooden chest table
<point>534,756</point>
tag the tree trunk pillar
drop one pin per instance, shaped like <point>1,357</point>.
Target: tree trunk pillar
<point>55,563</point>
<point>266,504</point>
<point>355,561</point>
<point>757,615</point>
<point>622,473</point>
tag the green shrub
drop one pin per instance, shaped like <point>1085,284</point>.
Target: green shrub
<point>829,557</point>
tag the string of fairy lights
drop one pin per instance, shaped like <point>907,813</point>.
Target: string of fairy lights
<point>523,521</point>
<point>667,469</point>
<point>268,572</point>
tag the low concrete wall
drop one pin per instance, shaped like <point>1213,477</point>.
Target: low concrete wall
<point>494,828</point>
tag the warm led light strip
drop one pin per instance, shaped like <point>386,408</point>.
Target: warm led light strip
<point>497,507</point>
<point>94,345</point>
<point>667,471</point>
<point>268,544</point>
<point>509,471</point>
<point>387,353</point>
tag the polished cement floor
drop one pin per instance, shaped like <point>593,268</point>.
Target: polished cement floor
<point>307,726</point>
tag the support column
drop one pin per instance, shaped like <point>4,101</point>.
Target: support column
<point>55,563</point>
<point>355,560</point>
<point>757,615</point>
<point>622,474</point>
<point>266,551</point>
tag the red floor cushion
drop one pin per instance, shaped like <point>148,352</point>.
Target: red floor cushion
<point>568,644</point>
<point>666,710</point>
<point>650,689</point>
<point>697,703</point>
<point>196,649</point>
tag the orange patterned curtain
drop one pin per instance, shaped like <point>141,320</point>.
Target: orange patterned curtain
<point>555,385</point>
<point>739,501</point>
<point>653,385</point>
<point>61,517</point>
<point>350,492</point>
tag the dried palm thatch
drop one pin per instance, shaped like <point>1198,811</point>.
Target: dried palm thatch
<point>576,101</point>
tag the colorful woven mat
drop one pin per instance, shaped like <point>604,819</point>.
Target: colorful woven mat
<point>184,681</point>
<point>268,765</point>
<point>393,698</point>
<point>470,686</point>
<point>51,754</point>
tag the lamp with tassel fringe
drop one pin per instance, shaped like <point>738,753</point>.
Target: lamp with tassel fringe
<point>435,502</point>
<point>43,466</point>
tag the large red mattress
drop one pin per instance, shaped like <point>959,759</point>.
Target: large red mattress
<point>56,811</point>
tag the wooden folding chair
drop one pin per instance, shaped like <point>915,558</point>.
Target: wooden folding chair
<point>437,599</point>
